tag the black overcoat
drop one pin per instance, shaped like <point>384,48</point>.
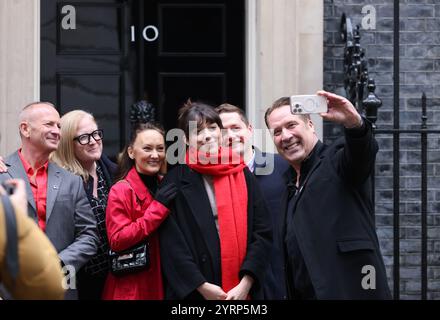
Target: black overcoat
<point>189,241</point>
<point>333,220</point>
<point>273,187</point>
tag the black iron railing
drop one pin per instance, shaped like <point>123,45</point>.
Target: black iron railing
<point>356,72</point>
<point>357,82</point>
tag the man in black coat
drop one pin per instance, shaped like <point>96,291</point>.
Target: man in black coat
<point>268,169</point>
<point>328,234</point>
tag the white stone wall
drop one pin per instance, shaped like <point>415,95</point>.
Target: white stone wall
<point>19,65</point>
<point>284,53</point>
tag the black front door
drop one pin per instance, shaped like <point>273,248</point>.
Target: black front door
<point>120,52</point>
<point>199,54</point>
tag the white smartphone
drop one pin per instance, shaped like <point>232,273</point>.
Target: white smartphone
<point>304,104</point>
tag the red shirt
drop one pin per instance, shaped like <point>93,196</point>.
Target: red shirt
<point>38,184</point>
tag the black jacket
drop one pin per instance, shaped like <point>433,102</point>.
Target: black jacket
<point>189,242</point>
<point>334,219</point>
<point>273,186</point>
<point>109,170</point>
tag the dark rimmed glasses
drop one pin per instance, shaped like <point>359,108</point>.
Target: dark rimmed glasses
<point>84,139</point>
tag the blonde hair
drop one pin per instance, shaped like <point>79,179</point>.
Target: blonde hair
<point>64,156</point>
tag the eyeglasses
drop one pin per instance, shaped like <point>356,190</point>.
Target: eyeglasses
<point>84,139</point>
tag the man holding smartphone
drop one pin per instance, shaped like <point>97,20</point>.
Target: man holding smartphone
<point>328,235</point>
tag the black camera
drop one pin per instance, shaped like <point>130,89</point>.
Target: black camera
<point>9,188</point>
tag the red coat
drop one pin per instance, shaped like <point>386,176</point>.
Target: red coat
<point>132,215</point>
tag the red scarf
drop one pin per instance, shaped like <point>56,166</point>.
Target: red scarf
<point>231,200</point>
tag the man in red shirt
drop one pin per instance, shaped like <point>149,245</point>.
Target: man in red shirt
<point>56,197</point>
<point>40,134</point>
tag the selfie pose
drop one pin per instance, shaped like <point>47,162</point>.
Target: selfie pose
<point>330,244</point>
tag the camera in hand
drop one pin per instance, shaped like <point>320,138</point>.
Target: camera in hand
<point>9,188</point>
<point>305,104</point>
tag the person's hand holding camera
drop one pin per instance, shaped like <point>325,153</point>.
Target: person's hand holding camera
<point>166,194</point>
<point>17,191</point>
<point>341,110</point>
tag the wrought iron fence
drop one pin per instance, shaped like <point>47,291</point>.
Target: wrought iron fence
<point>360,90</point>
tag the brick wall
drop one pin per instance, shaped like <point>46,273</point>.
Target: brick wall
<point>419,71</point>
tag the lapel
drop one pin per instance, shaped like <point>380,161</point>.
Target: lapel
<point>139,188</point>
<point>286,205</point>
<point>304,185</point>
<point>16,170</point>
<point>193,189</point>
<point>285,201</point>
<point>262,167</point>
<point>53,185</point>
<point>260,160</point>
<point>106,171</point>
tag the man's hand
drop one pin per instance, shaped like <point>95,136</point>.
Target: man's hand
<point>18,197</point>
<point>241,291</point>
<point>340,110</point>
<point>210,291</point>
<point>3,167</point>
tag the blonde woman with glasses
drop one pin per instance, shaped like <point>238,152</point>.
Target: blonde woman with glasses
<point>80,151</point>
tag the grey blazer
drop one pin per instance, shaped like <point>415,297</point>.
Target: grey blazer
<point>70,222</point>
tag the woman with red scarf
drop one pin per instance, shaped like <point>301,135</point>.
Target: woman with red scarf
<point>216,240</point>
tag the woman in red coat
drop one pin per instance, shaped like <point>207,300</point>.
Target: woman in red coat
<point>135,209</point>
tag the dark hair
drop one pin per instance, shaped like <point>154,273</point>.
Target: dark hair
<point>281,102</point>
<point>124,162</point>
<point>229,108</point>
<point>142,112</point>
<point>200,112</point>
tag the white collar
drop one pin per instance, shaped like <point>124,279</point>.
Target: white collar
<point>251,162</point>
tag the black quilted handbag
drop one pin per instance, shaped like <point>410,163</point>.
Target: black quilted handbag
<point>135,259</point>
